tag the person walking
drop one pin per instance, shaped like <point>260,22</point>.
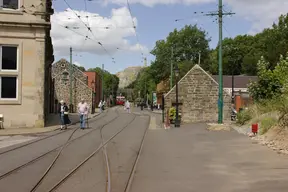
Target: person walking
<point>64,111</point>
<point>100,105</point>
<point>127,106</point>
<point>83,112</point>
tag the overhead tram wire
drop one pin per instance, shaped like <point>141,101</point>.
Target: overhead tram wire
<point>90,30</point>
<point>86,38</point>
<point>134,27</point>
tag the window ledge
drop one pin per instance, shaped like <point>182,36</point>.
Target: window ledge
<point>10,102</point>
<point>11,11</point>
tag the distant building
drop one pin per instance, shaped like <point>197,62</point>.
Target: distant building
<point>82,87</point>
<point>241,83</point>
<point>95,83</point>
<point>26,58</point>
<point>241,93</point>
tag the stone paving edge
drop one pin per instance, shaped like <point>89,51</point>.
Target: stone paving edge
<point>43,130</point>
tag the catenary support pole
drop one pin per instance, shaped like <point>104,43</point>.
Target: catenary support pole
<point>220,15</point>
<point>220,75</point>
<point>171,68</point>
<point>102,82</point>
<point>70,81</point>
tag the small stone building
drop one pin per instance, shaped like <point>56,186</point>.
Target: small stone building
<point>80,88</point>
<point>198,97</point>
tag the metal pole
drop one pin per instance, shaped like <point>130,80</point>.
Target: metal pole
<point>163,108</point>
<point>102,82</point>
<point>233,83</point>
<point>177,124</point>
<point>220,100</point>
<point>171,68</point>
<point>70,78</point>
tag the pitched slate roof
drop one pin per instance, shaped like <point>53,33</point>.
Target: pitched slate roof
<point>240,81</point>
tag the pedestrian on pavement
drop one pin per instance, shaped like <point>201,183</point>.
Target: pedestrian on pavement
<point>64,111</point>
<point>100,106</point>
<point>83,112</point>
<point>127,106</point>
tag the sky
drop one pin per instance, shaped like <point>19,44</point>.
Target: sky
<point>122,45</point>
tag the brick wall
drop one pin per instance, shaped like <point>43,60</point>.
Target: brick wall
<point>94,82</point>
<point>198,95</point>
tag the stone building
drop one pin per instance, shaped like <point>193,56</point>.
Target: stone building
<point>198,97</point>
<point>26,58</point>
<point>80,87</point>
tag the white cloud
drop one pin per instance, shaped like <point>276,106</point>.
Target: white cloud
<point>119,25</point>
<point>151,3</point>
<point>77,63</point>
<point>262,13</point>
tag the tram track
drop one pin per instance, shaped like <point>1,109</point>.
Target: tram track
<point>61,180</point>
<point>34,188</point>
<point>133,170</point>
<point>61,147</point>
<point>67,176</point>
<point>47,137</point>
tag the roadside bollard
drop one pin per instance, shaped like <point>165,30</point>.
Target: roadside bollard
<point>255,128</point>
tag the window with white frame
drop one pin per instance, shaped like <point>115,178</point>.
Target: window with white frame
<point>9,4</point>
<point>8,72</point>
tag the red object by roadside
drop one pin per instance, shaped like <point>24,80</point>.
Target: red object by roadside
<point>255,128</point>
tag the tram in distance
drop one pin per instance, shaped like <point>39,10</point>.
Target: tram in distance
<point>120,100</point>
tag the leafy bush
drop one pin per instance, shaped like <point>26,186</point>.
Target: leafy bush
<point>267,123</point>
<point>282,108</point>
<point>172,113</point>
<point>271,83</point>
<point>243,117</point>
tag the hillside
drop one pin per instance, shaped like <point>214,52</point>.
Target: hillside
<point>128,75</point>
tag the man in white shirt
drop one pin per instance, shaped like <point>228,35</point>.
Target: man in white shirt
<point>83,112</point>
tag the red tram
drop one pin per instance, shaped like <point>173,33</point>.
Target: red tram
<point>120,100</point>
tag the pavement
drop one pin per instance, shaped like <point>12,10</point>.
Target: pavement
<point>14,136</point>
<point>193,159</point>
<point>54,124</point>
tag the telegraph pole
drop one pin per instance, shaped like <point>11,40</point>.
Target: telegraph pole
<point>171,68</point>
<point>220,15</point>
<point>102,82</point>
<point>70,78</point>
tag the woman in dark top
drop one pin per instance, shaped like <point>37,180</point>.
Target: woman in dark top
<point>64,111</point>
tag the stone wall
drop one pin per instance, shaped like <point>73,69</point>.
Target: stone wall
<point>198,95</point>
<point>80,89</point>
<point>63,65</point>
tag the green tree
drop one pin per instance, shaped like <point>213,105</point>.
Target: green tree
<point>80,68</point>
<point>110,81</point>
<point>271,83</point>
<point>185,44</point>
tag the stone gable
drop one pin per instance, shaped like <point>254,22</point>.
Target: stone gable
<point>63,65</point>
<point>198,97</point>
<point>80,87</point>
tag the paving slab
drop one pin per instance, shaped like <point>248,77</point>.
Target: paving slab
<point>192,158</point>
<point>24,131</point>
<point>6,141</point>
